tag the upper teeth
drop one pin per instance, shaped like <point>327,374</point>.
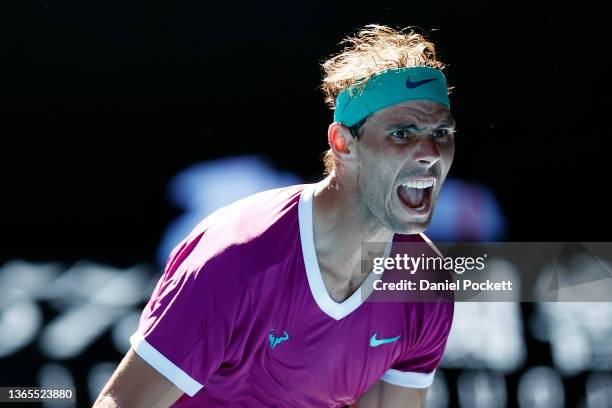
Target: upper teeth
<point>419,184</point>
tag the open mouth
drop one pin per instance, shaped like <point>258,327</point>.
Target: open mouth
<point>416,194</point>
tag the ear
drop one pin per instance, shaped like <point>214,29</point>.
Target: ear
<point>341,142</point>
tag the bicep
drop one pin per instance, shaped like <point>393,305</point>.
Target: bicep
<point>385,395</point>
<point>136,384</point>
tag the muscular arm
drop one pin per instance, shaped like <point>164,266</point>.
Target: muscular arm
<point>385,395</point>
<point>136,384</point>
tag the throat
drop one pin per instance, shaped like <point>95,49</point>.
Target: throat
<point>340,290</point>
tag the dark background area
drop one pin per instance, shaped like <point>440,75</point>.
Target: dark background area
<point>102,103</point>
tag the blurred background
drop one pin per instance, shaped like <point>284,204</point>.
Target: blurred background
<point>125,123</point>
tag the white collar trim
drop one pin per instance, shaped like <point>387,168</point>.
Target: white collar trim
<point>329,306</point>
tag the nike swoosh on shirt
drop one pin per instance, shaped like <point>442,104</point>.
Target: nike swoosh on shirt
<point>412,85</point>
<point>374,342</point>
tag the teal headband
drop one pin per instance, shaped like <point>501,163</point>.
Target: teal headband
<point>390,88</point>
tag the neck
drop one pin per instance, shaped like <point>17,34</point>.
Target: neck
<point>341,226</point>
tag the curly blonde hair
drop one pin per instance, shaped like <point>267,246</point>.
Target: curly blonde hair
<point>374,49</point>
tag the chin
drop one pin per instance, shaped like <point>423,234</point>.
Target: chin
<point>409,227</point>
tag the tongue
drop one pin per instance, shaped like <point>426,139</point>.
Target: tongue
<point>412,196</point>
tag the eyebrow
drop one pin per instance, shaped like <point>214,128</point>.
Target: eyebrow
<point>404,125</point>
<point>447,121</point>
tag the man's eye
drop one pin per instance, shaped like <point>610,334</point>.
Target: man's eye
<point>402,134</point>
<point>442,133</point>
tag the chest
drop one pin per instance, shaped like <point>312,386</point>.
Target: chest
<point>288,345</point>
<point>313,353</point>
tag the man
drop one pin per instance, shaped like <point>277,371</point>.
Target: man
<point>263,304</point>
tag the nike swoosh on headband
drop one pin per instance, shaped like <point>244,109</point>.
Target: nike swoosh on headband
<point>412,85</point>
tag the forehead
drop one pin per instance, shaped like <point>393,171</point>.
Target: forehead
<point>421,112</point>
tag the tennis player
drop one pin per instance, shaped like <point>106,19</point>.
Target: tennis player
<point>265,304</point>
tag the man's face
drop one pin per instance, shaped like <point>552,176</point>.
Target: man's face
<point>405,152</point>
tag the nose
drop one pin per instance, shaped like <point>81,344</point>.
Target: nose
<point>426,152</point>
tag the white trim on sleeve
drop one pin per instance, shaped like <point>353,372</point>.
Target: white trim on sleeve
<point>408,379</point>
<point>165,367</point>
